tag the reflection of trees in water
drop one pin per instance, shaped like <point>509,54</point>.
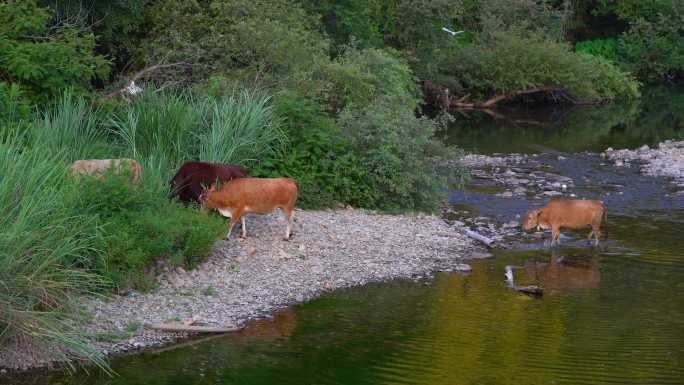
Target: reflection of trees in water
<point>655,117</point>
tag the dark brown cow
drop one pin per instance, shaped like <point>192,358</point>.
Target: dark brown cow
<point>193,177</point>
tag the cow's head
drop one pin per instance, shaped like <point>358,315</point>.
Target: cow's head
<point>531,219</point>
<point>205,191</point>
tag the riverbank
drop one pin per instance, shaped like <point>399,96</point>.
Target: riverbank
<point>666,160</point>
<point>251,278</point>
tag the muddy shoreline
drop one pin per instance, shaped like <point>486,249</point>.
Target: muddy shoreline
<point>252,278</point>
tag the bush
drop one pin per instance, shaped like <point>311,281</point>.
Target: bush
<point>139,225</point>
<point>317,156</point>
<point>271,41</point>
<point>377,154</point>
<point>507,62</point>
<point>604,48</point>
<point>43,58</point>
<point>396,150</point>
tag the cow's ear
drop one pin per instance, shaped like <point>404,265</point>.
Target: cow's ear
<point>212,187</point>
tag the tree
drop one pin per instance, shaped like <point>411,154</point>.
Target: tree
<point>42,55</point>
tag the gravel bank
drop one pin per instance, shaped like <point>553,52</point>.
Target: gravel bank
<point>251,278</point>
<point>667,160</point>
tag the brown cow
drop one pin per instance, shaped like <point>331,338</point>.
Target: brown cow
<point>97,167</point>
<point>252,195</point>
<point>193,177</point>
<point>568,213</point>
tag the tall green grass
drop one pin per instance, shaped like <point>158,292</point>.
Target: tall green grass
<point>242,128</point>
<point>177,126</point>
<point>71,127</point>
<point>159,125</point>
<point>43,248</point>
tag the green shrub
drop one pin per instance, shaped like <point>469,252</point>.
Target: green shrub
<point>43,56</point>
<point>138,225</point>
<point>272,41</point>
<point>377,154</point>
<point>605,48</point>
<point>507,62</point>
<point>317,156</point>
<point>396,150</point>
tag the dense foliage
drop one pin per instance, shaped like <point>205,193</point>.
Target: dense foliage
<point>42,58</point>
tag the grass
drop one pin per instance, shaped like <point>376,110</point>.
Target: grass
<point>42,250</point>
<point>178,126</point>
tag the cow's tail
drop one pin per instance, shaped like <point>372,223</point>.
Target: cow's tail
<point>605,219</point>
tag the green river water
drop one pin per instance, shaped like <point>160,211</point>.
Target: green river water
<point>609,316</point>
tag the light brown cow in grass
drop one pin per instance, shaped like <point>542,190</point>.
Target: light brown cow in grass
<point>97,167</point>
<point>571,214</point>
<point>252,195</point>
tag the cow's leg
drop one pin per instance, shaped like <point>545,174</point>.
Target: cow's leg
<point>234,217</point>
<point>244,227</point>
<point>289,216</point>
<point>596,229</point>
<point>555,231</point>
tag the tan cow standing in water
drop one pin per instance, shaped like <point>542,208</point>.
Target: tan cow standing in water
<point>568,213</point>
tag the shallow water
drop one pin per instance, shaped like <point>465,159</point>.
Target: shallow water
<point>612,315</point>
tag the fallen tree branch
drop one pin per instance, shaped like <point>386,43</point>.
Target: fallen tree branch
<point>172,327</point>
<point>491,102</point>
<point>478,237</point>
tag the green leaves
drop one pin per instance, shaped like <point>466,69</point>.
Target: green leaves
<point>43,58</point>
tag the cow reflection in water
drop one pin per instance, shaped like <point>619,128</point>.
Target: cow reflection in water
<point>563,273</point>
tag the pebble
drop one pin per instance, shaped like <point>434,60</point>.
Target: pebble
<point>666,160</point>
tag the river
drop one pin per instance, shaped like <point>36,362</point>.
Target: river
<point>612,315</point>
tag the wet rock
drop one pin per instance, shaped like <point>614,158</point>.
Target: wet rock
<point>666,160</point>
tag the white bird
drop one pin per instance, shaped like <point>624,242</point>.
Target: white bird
<point>447,30</point>
<point>132,89</point>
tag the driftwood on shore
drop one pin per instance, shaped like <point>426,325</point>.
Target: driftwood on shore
<point>479,237</point>
<point>174,327</point>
